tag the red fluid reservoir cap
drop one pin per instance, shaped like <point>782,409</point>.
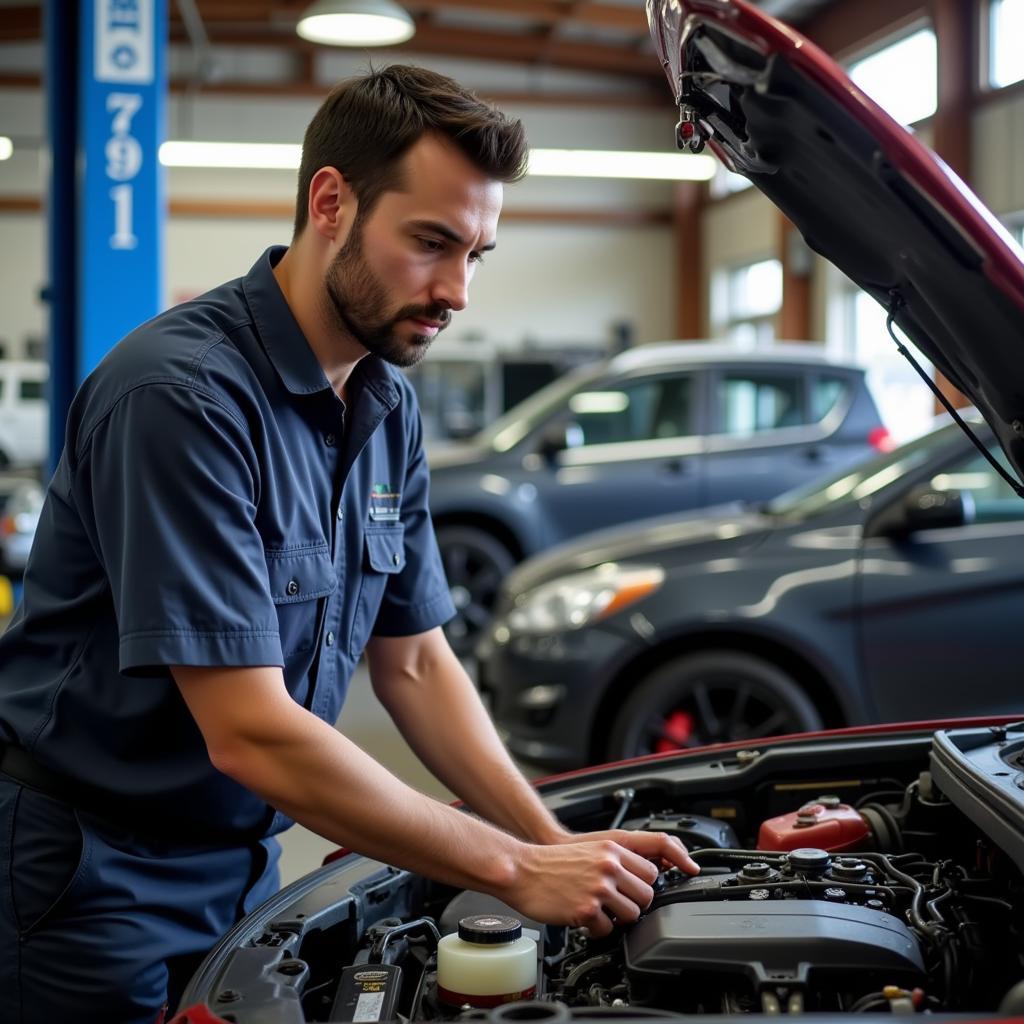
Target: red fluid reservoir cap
<point>832,828</point>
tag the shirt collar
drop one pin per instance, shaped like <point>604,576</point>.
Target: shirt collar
<point>285,344</point>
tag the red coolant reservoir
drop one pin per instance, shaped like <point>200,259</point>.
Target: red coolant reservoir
<point>824,823</point>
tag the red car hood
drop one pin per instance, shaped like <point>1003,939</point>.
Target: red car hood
<point>861,189</point>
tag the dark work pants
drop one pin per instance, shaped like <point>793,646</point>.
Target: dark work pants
<point>99,925</point>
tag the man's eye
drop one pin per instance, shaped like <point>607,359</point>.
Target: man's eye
<point>476,257</point>
<point>431,244</point>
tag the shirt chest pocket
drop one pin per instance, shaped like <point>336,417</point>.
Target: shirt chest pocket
<point>383,557</point>
<point>299,577</point>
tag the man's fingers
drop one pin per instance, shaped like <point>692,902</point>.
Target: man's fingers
<point>639,866</point>
<point>622,909</point>
<point>662,845</point>
<point>598,925</point>
<point>635,888</point>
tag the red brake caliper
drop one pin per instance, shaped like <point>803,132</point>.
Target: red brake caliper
<point>675,733</point>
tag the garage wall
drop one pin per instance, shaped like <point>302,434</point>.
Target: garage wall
<point>547,283</point>
<point>550,285</point>
<point>998,140</point>
<point>741,228</point>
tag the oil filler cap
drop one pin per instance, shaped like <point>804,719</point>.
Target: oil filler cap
<point>490,929</point>
<point>809,859</point>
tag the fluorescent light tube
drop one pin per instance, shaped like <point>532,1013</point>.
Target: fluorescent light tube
<point>254,155</point>
<point>570,163</point>
<point>603,163</point>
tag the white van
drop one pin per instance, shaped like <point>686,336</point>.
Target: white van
<point>24,412</point>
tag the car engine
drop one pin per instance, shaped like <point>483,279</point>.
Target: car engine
<point>888,900</point>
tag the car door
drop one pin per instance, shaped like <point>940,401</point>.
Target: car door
<point>940,616</point>
<point>633,450</point>
<point>770,430</point>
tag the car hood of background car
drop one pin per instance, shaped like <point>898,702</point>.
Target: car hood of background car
<point>861,189</point>
<point>733,527</point>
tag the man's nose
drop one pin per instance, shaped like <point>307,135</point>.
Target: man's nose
<point>451,287</point>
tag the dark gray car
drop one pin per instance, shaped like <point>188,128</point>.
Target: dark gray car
<point>661,428</point>
<point>890,592</point>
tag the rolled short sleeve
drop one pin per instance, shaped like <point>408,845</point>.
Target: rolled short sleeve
<point>168,486</point>
<point>416,598</point>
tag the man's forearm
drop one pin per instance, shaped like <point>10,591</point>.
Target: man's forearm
<point>259,736</point>
<point>439,713</point>
<point>329,785</point>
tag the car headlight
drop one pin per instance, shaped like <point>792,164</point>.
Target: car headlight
<point>572,602</point>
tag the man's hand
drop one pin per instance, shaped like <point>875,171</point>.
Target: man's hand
<point>594,879</point>
<point>256,734</point>
<point>657,846</point>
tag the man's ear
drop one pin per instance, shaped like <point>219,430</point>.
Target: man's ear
<point>332,204</point>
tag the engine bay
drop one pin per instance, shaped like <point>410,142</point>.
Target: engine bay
<point>876,893</point>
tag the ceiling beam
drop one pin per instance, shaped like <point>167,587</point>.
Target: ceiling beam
<point>842,28</point>
<point>647,100</point>
<point>471,43</point>
<point>540,12</point>
<point>21,24</point>
<point>550,12</point>
<point>221,209</point>
<point>264,25</point>
<point>519,48</point>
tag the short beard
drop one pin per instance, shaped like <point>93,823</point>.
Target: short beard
<point>358,300</point>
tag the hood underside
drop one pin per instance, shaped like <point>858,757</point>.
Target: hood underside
<point>861,189</point>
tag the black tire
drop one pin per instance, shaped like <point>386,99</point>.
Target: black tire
<point>476,563</point>
<point>709,697</point>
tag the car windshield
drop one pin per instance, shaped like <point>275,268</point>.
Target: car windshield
<point>508,430</point>
<point>864,480</point>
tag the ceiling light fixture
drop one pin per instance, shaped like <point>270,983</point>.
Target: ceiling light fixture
<point>260,156</point>
<point>605,163</point>
<point>567,163</point>
<point>6,148</point>
<point>356,23</point>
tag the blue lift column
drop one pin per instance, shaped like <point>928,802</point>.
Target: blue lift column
<point>106,90</point>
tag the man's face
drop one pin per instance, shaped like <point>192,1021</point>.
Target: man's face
<point>406,266</point>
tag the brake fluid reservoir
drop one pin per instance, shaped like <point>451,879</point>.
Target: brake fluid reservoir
<point>487,963</point>
<point>826,824</point>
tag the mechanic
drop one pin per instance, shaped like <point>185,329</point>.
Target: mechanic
<point>239,512</point>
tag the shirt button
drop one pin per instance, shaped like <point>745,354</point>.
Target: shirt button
<point>292,588</point>
<point>396,558</point>
<point>330,639</point>
<point>329,440</point>
<point>341,515</point>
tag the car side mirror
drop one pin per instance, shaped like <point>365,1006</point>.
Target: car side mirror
<point>924,508</point>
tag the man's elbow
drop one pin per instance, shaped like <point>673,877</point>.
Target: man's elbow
<point>233,757</point>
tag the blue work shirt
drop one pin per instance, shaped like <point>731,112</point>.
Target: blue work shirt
<point>216,504</point>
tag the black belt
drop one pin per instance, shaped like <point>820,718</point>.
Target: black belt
<point>20,765</point>
<point>134,816</point>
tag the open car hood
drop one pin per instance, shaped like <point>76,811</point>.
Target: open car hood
<point>862,190</point>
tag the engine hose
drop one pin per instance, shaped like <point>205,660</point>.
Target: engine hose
<point>884,826</point>
<point>713,853</point>
<point>618,1012</point>
<point>585,968</point>
<point>422,924</point>
<point>917,918</point>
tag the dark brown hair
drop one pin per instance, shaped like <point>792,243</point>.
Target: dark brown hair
<point>366,125</point>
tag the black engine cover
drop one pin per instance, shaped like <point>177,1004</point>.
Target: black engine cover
<point>772,941</point>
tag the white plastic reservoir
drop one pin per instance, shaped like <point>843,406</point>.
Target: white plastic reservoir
<point>487,963</point>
